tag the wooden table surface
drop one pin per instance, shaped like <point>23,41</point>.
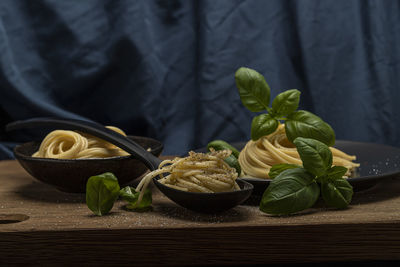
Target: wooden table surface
<point>41,225</point>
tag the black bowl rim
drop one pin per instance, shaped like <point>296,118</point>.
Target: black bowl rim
<point>247,187</point>
<point>158,149</point>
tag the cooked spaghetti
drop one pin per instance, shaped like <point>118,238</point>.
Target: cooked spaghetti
<point>199,172</point>
<point>64,144</point>
<point>257,157</point>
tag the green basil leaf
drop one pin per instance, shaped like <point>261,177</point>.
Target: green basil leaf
<point>316,156</point>
<point>130,195</point>
<point>278,168</point>
<point>233,162</point>
<point>253,89</point>
<point>286,103</point>
<point>291,191</point>
<point>263,125</point>
<point>101,193</point>
<point>305,124</point>
<point>222,145</point>
<point>337,192</point>
<point>333,173</point>
<point>336,172</point>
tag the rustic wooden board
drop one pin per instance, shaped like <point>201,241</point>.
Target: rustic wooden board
<point>61,229</point>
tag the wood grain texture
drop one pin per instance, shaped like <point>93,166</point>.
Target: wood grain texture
<point>58,228</point>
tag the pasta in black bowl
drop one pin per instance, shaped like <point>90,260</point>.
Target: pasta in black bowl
<point>71,175</point>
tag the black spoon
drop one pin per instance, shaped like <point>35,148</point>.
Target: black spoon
<point>94,129</point>
<point>202,202</point>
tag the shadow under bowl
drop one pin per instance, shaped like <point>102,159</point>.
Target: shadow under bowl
<point>207,202</point>
<point>71,175</point>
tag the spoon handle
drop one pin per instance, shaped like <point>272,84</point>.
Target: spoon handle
<point>94,129</point>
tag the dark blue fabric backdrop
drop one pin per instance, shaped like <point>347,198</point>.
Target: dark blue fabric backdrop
<point>165,69</point>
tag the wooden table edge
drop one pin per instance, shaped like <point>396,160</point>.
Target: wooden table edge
<point>206,246</point>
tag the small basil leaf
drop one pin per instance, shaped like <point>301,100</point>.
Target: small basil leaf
<point>130,195</point>
<point>286,103</point>
<point>278,168</point>
<point>291,191</point>
<point>336,172</point>
<point>337,192</point>
<point>233,162</point>
<point>316,156</point>
<point>253,89</point>
<point>222,145</point>
<point>305,124</point>
<point>263,125</point>
<point>333,173</point>
<point>101,193</point>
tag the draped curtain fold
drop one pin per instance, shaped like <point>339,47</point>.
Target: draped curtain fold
<point>165,69</point>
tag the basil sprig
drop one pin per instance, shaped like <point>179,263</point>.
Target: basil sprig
<point>130,195</point>
<point>255,95</point>
<point>103,190</point>
<point>297,188</point>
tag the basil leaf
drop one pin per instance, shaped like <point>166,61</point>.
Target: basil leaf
<point>286,103</point>
<point>336,172</point>
<point>253,89</point>
<point>333,173</point>
<point>222,145</point>
<point>305,124</point>
<point>316,156</point>
<point>130,195</point>
<point>233,162</point>
<point>263,125</point>
<point>291,191</point>
<point>337,192</point>
<point>101,193</point>
<point>278,168</point>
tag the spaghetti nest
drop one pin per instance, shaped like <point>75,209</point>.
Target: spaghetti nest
<point>63,144</point>
<point>257,157</point>
<point>199,172</point>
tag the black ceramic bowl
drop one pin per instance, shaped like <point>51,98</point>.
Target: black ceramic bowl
<point>207,202</point>
<point>71,175</point>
